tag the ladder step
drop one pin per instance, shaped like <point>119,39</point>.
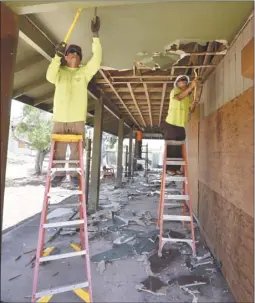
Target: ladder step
<point>175,159</point>
<point>65,161</point>
<point>66,205</point>
<point>176,218</point>
<point>173,204</point>
<point>63,223</point>
<point>61,289</point>
<point>175,178</point>
<point>55,169</point>
<point>173,142</point>
<point>170,162</point>
<point>65,192</point>
<point>176,197</point>
<point>190,241</point>
<point>63,256</point>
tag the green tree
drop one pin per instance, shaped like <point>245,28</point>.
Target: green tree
<point>34,129</point>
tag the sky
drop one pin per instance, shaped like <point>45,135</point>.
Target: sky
<point>16,109</point>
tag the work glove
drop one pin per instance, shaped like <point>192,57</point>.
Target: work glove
<point>95,26</point>
<point>61,49</point>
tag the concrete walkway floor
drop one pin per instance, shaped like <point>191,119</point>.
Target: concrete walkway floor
<point>123,251</point>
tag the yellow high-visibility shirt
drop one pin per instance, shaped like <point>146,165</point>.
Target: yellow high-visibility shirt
<point>71,95</point>
<point>178,111</point>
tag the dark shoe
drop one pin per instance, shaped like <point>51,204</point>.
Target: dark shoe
<point>75,182</point>
<point>57,180</point>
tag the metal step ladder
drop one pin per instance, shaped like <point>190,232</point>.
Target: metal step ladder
<point>82,223</point>
<point>184,197</point>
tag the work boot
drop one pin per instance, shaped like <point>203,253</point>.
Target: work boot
<point>75,182</point>
<point>57,180</point>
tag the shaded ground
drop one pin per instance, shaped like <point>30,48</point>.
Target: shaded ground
<point>123,251</point>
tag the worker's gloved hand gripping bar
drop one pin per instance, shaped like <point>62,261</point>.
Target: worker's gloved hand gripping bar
<point>61,49</point>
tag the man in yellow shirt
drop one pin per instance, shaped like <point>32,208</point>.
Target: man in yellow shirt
<point>70,98</point>
<point>177,118</point>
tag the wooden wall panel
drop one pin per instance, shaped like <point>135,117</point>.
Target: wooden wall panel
<point>248,34</point>
<point>239,88</point>
<point>192,139</point>
<point>229,233</point>
<point>226,151</point>
<point>228,82</point>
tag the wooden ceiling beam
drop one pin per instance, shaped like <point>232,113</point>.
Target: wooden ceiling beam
<point>122,102</point>
<point>162,103</point>
<point>135,102</point>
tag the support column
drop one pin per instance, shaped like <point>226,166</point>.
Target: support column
<point>87,169</point>
<point>135,158</point>
<point>126,162</point>
<point>120,152</point>
<point>130,150</point>
<point>9,42</point>
<point>96,156</point>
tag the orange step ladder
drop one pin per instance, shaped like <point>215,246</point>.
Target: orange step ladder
<point>185,197</point>
<point>78,288</point>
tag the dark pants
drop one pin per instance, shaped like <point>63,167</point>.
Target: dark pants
<point>176,133</point>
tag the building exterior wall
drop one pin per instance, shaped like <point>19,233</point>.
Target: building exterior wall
<point>224,135</point>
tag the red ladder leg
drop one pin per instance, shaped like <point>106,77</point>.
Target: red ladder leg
<point>184,153</point>
<point>40,245</point>
<point>84,212</point>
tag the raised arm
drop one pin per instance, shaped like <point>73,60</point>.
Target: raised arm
<point>53,69</point>
<point>186,92</point>
<point>94,63</point>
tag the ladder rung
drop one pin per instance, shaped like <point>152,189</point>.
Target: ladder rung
<point>175,178</point>
<point>65,192</point>
<point>68,205</point>
<point>177,240</point>
<point>173,204</point>
<point>63,256</point>
<point>65,161</point>
<point>54,169</point>
<point>176,218</point>
<point>63,223</point>
<point>61,289</point>
<point>170,162</point>
<point>66,138</point>
<point>176,197</point>
<point>173,142</point>
<point>175,159</point>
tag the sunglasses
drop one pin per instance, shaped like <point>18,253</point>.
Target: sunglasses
<point>73,50</point>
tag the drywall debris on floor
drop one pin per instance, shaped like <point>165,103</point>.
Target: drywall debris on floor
<point>152,285</point>
<point>189,280</point>
<point>101,267</point>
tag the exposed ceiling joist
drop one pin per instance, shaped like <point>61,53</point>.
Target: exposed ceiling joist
<point>135,102</point>
<point>34,37</point>
<point>107,105</point>
<point>148,101</point>
<point>162,102</point>
<point>114,90</point>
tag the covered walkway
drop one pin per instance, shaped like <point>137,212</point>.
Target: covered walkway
<point>145,47</point>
